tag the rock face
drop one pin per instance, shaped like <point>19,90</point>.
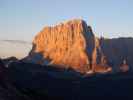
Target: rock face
<point>117,50</point>
<point>68,44</point>
<point>71,44</point>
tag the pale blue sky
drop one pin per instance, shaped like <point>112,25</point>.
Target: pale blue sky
<point>23,19</point>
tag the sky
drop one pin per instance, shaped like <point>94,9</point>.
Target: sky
<point>23,19</point>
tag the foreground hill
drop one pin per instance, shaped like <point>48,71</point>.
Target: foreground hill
<point>27,81</point>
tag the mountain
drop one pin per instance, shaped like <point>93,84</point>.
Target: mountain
<point>65,44</point>
<point>16,48</point>
<point>71,44</point>
<point>65,62</point>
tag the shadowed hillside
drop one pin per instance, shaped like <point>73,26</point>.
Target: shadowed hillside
<point>28,81</point>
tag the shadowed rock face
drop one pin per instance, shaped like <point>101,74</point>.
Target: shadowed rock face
<point>117,50</point>
<point>68,44</point>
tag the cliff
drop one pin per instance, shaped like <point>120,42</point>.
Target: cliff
<point>66,44</point>
<point>72,44</point>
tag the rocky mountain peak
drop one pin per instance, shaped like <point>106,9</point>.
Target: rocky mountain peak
<point>71,44</point>
<point>65,44</point>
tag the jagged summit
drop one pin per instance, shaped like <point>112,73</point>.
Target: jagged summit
<point>71,21</point>
<point>79,23</point>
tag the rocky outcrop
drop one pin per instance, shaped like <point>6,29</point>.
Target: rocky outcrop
<point>68,44</point>
<point>72,44</point>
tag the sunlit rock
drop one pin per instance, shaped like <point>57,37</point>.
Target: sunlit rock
<point>71,44</point>
<point>68,44</point>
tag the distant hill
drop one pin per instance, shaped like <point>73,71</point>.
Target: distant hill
<point>16,48</point>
